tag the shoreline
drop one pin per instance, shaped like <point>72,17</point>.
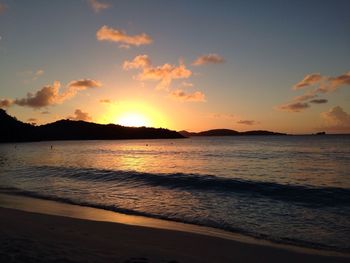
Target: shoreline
<point>51,211</point>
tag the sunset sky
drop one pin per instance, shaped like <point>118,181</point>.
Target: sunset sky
<point>194,65</point>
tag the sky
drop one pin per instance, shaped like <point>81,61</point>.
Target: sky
<point>184,65</point>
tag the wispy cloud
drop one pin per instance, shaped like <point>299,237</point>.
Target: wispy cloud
<point>181,95</point>
<point>38,73</point>
<point>325,85</point>
<point>294,106</point>
<point>106,33</point>
<point>79,115</point>
<point>105,101</point>
<point>333,83</point>
<point>337,119</point>
<point>208,59</point>
<point>217,115</point>
<point>187,84</point>
<point>98,6</point>
<point>318,101</point>
<point>31,75</point>
<point>165,73</point>
<point>51,95</point>
<point>248,122</point>
<point>308,80</point>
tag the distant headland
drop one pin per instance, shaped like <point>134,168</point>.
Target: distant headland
<point>227,132</point>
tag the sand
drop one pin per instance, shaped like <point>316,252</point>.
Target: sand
<point>34,237</point>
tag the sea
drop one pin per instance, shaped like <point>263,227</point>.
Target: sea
<point>285,189</point>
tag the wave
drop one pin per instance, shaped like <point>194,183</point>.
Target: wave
<point>300,194</point>
<point>198,221</point>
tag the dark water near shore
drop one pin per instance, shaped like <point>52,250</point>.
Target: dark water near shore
<point>289,189</point>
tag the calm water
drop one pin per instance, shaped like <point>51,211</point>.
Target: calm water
<point>290,189</point>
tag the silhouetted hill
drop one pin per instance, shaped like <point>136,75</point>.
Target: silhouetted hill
<point>13,130</point>
<point>218,132</point>
<point>227,132</point>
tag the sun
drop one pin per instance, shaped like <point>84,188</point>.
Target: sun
<point>133,120</point>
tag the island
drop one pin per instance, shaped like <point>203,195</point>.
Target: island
<point>13,130</point>
<point>227,132</point>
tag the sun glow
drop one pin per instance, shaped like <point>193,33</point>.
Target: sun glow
<point>133,120</point>
<point>134,114</point>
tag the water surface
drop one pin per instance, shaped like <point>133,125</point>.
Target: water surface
<point>289,189</point>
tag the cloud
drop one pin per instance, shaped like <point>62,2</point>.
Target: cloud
<point>5,103</point>
<point>45,112</point>
<point>247,122</point>
<point>326,85</point>
<point>3,7</point>
<point>50,95</point>
<point>98,6</point>
<point>32,120</point>
<point>30,75</point>
<point>46,96</point>
<point>106,33</point>
<point>222,116</point>
<point>84,84</point>
<point>141,61</point>
<point>79,115</point>
<point>187,84</point>
<point>208,59</point>
<point>307,96</point>
<point>165,74</point>
<point>318,101</point>
<point>337,119</point>
<point>333,83</point>
<point>38,74</point>
<point>196,96</point>
<point>294,106</point>
<point>105,101</point>
<point>308,80</point>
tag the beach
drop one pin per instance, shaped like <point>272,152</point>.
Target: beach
<point>37,237</point>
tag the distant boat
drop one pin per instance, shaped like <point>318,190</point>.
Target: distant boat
<point>321,133</point>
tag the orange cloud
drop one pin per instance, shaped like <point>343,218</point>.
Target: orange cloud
<point>32,120</point>
<point>165,74</point>
<point>79,115</point>
<point>333,83</point>
<point>337,119</point>
<point>46,96</point>
<point>141,61</point>
<point>98,6</point>
<point>308,80</point>
<point>5,103</point>
<point>50,95</point>
<point>208,59</point>
<point>106,33</point>
<point>196,96</point>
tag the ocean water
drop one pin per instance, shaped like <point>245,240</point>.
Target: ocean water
<point>288,189</point>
